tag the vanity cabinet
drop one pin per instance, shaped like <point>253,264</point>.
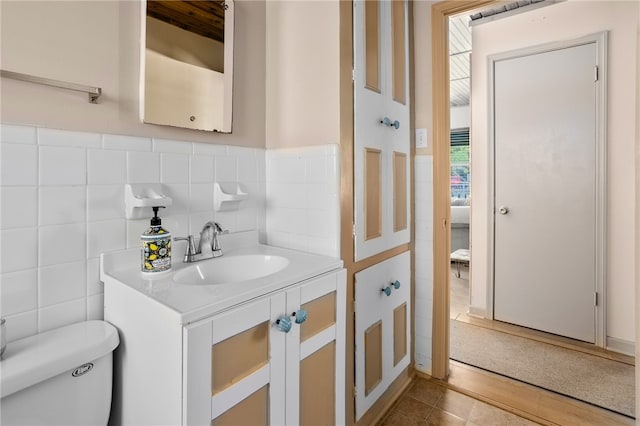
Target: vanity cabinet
<point>246,366</point>
<point>241,365</point>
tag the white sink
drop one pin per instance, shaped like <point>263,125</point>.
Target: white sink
<point>232,269</point>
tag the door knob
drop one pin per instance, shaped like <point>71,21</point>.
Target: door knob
<point>504,210</point>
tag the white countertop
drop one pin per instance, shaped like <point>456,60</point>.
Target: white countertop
<point>194,302</point>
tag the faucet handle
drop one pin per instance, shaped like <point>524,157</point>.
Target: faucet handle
<point>191,246</point>
<point>217,228</point>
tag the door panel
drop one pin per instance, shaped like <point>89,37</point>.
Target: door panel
<point>383,327</point>
<point>545,191</point>
<point>380,92</point>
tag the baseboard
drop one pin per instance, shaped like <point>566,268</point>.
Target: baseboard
<point>621,346</point>
<point>477,312</point>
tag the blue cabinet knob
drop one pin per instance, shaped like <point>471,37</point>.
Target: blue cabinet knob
<point>386,290</point>
<point>284,324</point>
<point>386,121</point>
<point>396,284</point>
<point>300,316</point>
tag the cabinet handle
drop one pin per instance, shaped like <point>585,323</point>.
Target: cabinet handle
<point>284,324</point>
<point>387,122</point>
<point>396,284</point>
<point>386,290</point>
<point>300,316</point>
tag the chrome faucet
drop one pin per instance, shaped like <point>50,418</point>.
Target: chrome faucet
<point>208,245</point>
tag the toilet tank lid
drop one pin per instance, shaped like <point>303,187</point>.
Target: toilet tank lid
<point>37,358</point>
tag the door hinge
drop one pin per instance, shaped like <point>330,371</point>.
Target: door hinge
<point>595,298</point>
<point>595,73</point>
<point>355,391</point>
<point>353,231</point>
<point>353,75</point>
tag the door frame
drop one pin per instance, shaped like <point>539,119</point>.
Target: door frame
<point>440,13</point>
<point>600,40</point>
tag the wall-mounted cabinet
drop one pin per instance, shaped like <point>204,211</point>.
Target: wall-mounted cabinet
<point>382,127</point>
<point>187,64</point>
<point>383,328</point>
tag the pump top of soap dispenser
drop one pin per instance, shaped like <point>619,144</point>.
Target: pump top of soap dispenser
<point>155,220</point>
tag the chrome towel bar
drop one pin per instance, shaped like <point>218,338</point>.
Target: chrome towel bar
<point>93,92</point>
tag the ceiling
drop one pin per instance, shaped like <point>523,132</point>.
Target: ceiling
<point>205,18</point>
<point>459,59</point>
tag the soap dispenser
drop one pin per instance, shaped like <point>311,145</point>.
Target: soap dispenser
<point>156,246</point>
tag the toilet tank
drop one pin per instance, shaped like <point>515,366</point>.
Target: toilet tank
<point>59,377</point>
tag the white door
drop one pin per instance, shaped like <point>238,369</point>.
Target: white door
<point>381,130</point>
<point>545,192</point>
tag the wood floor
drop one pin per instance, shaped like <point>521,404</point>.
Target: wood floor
<point>474,397</point>
<point>520,399</point>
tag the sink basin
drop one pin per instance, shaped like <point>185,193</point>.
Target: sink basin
<point>232,269</point>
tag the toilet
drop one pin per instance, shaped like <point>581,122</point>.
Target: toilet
<point>59,377</point>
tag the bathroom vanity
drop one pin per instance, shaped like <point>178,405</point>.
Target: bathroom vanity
<point>256,338</point>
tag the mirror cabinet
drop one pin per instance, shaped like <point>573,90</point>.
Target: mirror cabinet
<point>186,72</point>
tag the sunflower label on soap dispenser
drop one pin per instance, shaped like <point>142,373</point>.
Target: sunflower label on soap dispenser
<point>156,246</point>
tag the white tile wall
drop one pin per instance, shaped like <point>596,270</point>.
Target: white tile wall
<point>423,261</point>
<point>62,204</point>
<point>303,206</point>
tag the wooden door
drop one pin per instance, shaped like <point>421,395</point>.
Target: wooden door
<point>382,127</point>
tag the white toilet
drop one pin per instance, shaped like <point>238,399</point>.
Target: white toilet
<point>60,377</point>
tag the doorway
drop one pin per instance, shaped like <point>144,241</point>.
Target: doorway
<point>452,218</point>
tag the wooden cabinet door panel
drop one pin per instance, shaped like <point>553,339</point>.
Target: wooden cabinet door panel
<point>380,318</point>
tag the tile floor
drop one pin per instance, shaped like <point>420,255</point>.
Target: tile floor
<point>427,403</point>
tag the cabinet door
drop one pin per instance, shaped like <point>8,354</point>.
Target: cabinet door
<point>234,369</point>
<point>316,353</point>
<point>382,335</point>
<point>381,150</point>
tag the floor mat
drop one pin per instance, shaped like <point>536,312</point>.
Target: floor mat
<point>599,381</point>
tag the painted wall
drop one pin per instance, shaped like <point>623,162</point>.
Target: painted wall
<point>561,21</point>
<point>97,43</point>
<point>303,64</point>
<point>64,162</point>
<point>422,96</point>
